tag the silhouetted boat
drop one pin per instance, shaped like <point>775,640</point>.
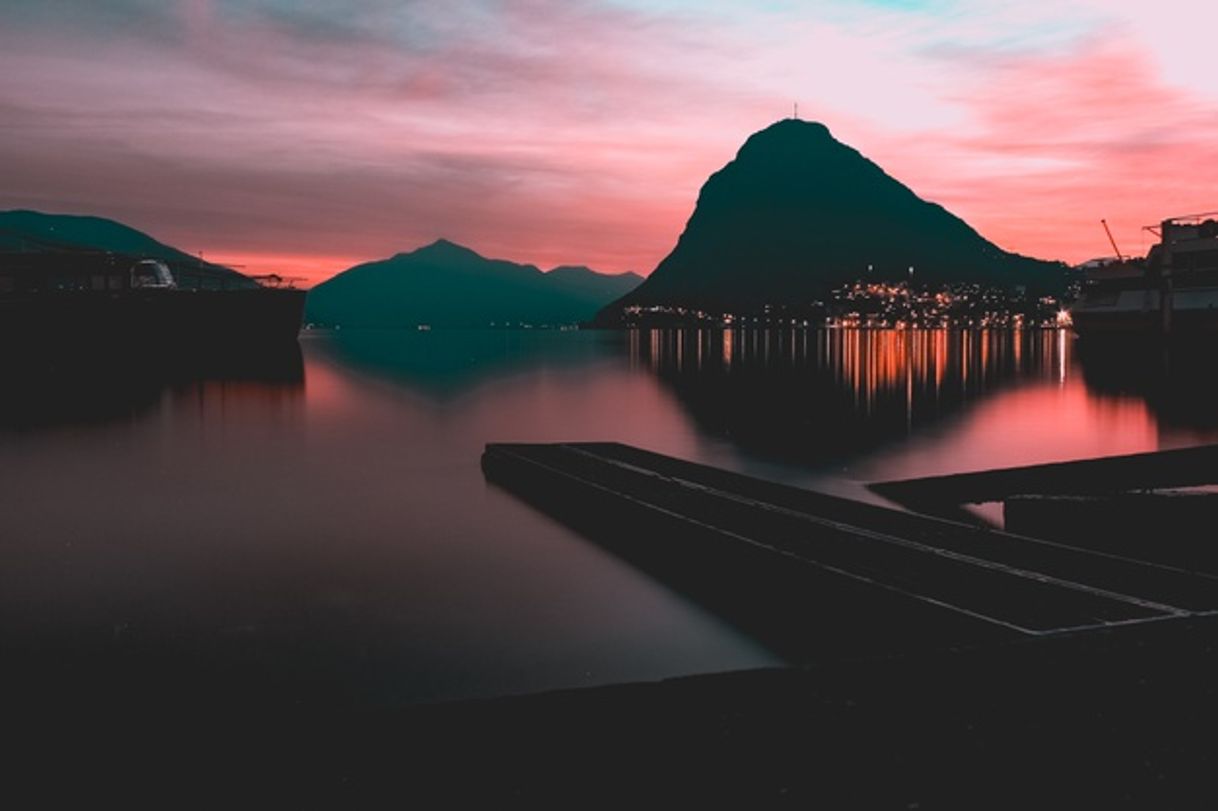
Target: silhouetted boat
<point>1174,290</point>
<point>53,297</point>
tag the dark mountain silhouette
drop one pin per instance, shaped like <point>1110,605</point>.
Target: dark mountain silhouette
<point>35,232</point>
<point>798,213</point>
<point>590,285</point>
<point>444,284</point>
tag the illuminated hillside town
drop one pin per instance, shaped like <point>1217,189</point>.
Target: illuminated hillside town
<point>882,305</point>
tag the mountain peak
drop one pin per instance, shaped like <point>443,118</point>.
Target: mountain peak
<point>445,284</point>
<point>443,244</point>
<point>797,213</point>
<point>442,249</point>
<point>790,133</point>
<point>796,126</point>
<point>573,270</point>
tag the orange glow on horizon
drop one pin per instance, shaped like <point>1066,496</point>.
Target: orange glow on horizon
<point>394,145</point>
<point>307,269</point>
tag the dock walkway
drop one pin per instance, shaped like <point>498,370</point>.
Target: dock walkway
<point>808,572</point>
<point>1181,467</point>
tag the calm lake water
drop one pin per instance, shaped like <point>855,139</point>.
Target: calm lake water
<point>317,521</point>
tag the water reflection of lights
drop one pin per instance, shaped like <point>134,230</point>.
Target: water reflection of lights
<point>870,365</point>
<point>1061,356</point>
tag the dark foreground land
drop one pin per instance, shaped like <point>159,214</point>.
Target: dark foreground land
<point>943,665</point>
<point>1115,718</point>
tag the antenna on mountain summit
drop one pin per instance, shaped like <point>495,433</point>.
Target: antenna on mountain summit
<point>796,116</point>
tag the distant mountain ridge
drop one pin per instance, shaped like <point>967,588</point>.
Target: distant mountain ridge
<point>446,284</point>
<point>33,231</point>
<point>797,213</point>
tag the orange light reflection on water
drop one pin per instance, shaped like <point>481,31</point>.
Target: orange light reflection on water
<point>915,402</point>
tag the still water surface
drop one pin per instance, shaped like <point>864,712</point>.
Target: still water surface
<point>321,516</point>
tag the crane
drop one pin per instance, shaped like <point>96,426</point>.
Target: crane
<point>1113,241</point>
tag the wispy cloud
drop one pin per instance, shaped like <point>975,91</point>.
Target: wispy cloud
<point>1054,142</point>
<point>560,131</point>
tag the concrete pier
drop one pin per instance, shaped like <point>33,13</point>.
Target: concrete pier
<point>817,576</point>
<point>1159,506</point>
<point>1184,467</point>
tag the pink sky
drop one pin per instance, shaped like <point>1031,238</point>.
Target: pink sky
<point>579,131</point>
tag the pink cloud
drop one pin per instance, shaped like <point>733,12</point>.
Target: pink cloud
<point>263,142</point>
<point>565,132</point>
<point>1057,142</point>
